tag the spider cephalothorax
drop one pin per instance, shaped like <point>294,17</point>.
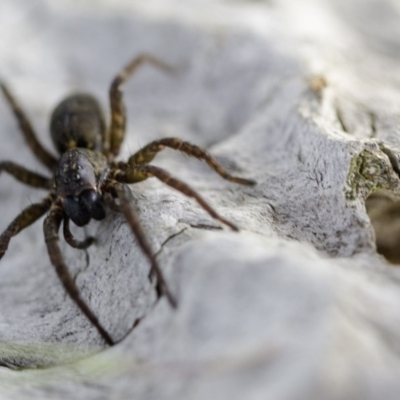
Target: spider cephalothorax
<point>86,172</point>
<point>78,179</point>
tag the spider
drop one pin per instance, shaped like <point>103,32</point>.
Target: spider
<point>87,180</point>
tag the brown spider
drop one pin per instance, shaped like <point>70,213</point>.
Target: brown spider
<point>86,176</point>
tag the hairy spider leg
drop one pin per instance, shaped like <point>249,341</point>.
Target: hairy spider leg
<point>51,227</point>
<point>27,217</point>
<point>72,241</point>
<point>26,176</point>
<point>124,194</point>
<point>40,152</point>
<point>137,173</point>
<point>116,132</point>
<point>148,152</point>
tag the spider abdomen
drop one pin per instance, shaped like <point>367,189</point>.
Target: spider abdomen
<point>78,122</point>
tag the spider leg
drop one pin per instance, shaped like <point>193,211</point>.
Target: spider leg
<point>40,152</point>
<point>27,217</point>
<point>23,175</point>
<point>147,153</point>
<point>123,193</point>
<point>139,173</point>
<point>116,132</point>
<point>50,227</point>
<point>70,239</point>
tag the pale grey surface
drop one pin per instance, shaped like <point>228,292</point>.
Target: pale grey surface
<point>298,305</point>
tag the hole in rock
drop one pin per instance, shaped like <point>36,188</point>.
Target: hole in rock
<point>384,212</point>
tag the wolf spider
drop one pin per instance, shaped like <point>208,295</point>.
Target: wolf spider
<point>87,178</point>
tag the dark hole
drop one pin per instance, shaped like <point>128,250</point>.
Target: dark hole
<point>384,213</point>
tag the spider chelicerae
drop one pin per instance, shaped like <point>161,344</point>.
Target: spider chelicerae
<point>87,179</point>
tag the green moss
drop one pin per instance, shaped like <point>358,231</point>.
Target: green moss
<point>369,172</point>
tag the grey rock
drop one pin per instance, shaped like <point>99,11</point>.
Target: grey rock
<point>300,96</point>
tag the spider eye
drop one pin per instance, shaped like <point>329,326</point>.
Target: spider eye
<point>75,212</point>
<point>92,202</point>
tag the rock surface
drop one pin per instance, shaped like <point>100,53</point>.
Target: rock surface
<point>302,97</point>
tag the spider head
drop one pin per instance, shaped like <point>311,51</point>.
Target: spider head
<point>81,209</point>
<point>77,180</point>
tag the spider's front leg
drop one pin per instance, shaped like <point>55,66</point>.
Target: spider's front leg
<point>51,227</point>
<point>27,217</point>
<point>26,176</point>
<point>124,195</point>
<point>137,173</point>
<point>147,154</point>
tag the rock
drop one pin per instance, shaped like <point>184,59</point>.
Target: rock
<point>302,97</point>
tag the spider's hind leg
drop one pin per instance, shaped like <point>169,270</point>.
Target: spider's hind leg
<point>116,132</point>
<point>147,153</point>
<point>26,128</point>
